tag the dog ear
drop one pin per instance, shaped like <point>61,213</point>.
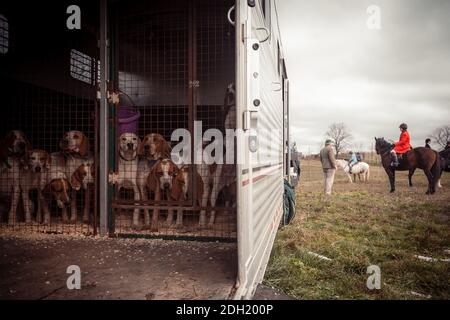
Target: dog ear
<point>175,192</point>
<point>48,160</point>
<point>152,178</point>
<point>166,149</point>
<point>84,145</point>
<point>77,179</point>
<point>24,160</point>
<point>140,149</point>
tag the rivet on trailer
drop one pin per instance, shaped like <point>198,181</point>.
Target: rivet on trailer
<point>103,103</point>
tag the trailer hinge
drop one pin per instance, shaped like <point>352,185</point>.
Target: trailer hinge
<point>113,178</point>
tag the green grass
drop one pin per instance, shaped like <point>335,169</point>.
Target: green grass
<point>361,225</point>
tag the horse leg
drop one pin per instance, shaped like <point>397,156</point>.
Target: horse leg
<point>391,175</point>
<point>430,181</point>
<point>411,173</point>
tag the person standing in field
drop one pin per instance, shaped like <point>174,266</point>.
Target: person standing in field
<point>328,165</point>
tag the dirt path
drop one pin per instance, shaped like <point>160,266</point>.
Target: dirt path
<point>34,267</point>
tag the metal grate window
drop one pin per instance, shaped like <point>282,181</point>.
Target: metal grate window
<point>4,34</point>
<point>84,67</point>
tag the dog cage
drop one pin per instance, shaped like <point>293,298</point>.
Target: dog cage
<point>49,78</point>
<point>172,63</point>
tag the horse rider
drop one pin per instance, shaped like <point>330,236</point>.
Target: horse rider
<point>352,161</point>
<point>402,146</point>
<point>427,143</point>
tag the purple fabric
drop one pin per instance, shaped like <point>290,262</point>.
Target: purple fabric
<point>128,118</point>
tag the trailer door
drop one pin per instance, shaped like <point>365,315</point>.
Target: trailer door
<point>260,148</point>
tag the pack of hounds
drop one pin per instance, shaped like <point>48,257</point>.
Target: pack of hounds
<point>144,166</point>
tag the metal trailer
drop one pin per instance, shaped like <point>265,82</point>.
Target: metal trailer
<point>193,50</point>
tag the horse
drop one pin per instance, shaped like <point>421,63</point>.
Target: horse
<point>445,166</point>
<point>360,168</point>
<point>423,158</point>
<point>445,163</point>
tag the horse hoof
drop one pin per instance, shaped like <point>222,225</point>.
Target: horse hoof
<point>392,191</point>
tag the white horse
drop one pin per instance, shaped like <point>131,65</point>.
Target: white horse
<point>360,168</point>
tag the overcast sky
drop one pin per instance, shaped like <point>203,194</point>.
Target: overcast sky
<point>372,80</point>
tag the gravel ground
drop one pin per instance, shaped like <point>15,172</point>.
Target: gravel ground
<point>33,266</point>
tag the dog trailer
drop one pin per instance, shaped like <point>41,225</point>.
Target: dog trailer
<point>139,68</point>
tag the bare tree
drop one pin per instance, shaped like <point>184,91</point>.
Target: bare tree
<point>442,136</point>
<point>340,135</point>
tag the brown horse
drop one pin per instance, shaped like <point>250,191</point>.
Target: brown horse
<point>423,158</point>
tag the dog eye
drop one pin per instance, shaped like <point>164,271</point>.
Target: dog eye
<point>134,139</point>
<point>124,139</point>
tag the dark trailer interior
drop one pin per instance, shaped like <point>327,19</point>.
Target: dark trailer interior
<point>172,61</point>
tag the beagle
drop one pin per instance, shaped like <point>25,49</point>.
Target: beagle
<point>56,187</point>
<point>12,150</point>
<point>75,147</point>
<point>214,178</point>
<point>128,145</point>
<point>180,192</point>
<point>33,177</point>
<point>160,182</point>
<point>151,150</point>
<point>84,178</point>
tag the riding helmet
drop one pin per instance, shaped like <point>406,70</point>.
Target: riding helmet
<point>404,126</point>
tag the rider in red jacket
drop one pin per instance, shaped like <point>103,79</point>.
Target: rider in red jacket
<point>402,146</point>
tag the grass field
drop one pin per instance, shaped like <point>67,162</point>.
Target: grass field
<point>361,225</point>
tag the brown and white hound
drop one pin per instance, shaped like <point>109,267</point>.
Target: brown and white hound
<point>75,148</point>
<point>214,178</point>
<point>13,148</point>
<point>183,181</point>
<point>128,145</point>
<point>159,181</point>
<point>152,149</point>
<point>56,187</point>
<point>33,176</point>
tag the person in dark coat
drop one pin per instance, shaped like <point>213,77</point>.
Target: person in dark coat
<point>427,143</point>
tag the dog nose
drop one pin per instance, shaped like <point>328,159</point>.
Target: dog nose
<point>130,146</point>
<point>38,169</point>
<point>166,185</point>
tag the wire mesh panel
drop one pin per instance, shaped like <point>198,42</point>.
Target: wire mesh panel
<point>175,61</point>
<point>48,121</point>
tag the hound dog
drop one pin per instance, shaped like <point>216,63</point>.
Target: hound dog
<point>33,177</point>
<point>128,168</point>
<point>160,182</point>
<point>12,150</point>
<point>180,191</point>
<point>84,178</point>
<point>75,147</point>
<point>56,187</point>
<point>229,107</point>
<point>214,178</point>
<point>152,149</point>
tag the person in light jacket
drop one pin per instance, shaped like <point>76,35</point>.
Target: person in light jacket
<point>328,165</point>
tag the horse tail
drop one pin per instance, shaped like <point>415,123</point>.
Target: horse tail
<point>436,170</point>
